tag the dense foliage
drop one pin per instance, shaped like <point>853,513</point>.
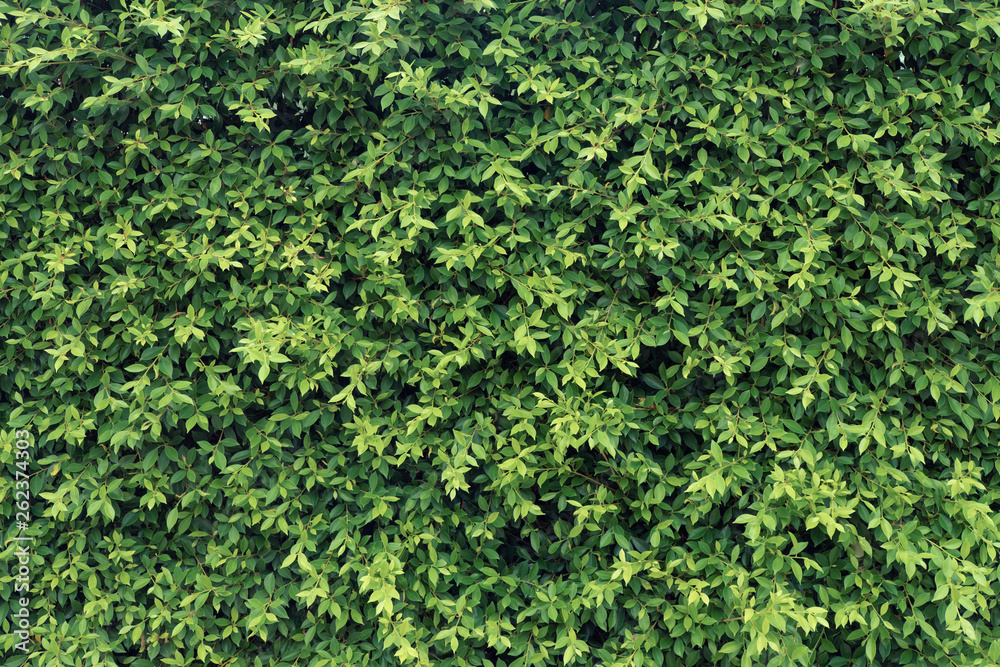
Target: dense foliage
<point>527,333</point>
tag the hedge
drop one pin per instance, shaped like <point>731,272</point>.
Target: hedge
<point>500,332</point>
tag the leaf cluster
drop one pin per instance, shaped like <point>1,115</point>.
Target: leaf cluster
<point>503,333</point>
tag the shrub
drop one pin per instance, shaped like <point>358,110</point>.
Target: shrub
<point>527,333</point>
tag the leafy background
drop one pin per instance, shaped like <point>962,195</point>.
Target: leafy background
<point>514,333</point>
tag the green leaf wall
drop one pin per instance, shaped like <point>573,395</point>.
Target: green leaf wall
<point>392,332</point>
